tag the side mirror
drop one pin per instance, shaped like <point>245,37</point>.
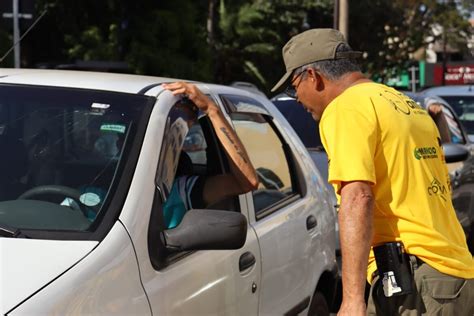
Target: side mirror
<point>455,152</point>
<point>207,230</point>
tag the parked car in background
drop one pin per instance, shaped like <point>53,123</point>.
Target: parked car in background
<point>87,161</point>
<point>461,100</point>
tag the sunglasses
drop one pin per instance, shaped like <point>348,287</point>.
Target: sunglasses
<point>290,89</point>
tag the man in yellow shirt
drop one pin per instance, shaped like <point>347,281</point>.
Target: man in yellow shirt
<point>387,166</point>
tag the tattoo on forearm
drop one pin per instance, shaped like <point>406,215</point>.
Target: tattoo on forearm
<point>241,154</point>
<point>237,149</point>
<point>226,133</point>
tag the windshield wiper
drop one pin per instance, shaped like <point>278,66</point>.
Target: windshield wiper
<point>8,231</point>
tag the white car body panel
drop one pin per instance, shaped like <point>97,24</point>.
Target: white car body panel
<point>117,276</point>
<point>33,263</point>
<point>80,79</point>
<point>293,258</point>
<point>196,288</point>
<point>106,282</point>
<point>207,283</point>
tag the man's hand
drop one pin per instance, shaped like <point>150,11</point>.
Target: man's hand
<point>352,309</point>
<point>193,93</point>
<point>435,108</point>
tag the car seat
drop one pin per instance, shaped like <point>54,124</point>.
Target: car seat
<point>185,165</point>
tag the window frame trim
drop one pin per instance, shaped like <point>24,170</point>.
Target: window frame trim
<point>160,257</point>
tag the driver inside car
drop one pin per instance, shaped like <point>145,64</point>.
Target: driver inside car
<point>193,191</point>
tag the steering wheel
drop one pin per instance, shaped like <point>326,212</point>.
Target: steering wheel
<point>60,190</point>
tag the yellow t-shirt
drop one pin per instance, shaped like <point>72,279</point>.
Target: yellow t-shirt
<point>374,133</point>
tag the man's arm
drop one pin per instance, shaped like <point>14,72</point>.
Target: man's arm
<point>436,112</point>
<point>355,231</point>
<point>243,177</point>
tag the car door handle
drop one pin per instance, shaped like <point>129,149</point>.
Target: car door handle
<point>311,222</point>
<point>246,261</point>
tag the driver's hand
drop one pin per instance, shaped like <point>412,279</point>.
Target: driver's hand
<point>193,93</point>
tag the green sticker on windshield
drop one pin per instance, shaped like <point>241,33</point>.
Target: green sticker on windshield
<point>117,128</point>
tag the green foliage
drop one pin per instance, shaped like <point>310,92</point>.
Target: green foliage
<point>168,41</point>
<point>402,28</point>
<point>93,45</point>
<point>171,39</point>
<point>252,33</point>
<point>164,39</point>
<point>238,40</point>
<point>5,44</point>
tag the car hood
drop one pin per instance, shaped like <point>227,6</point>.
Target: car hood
<point>27,265</point>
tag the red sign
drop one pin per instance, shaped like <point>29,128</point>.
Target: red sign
<point>454,74</point>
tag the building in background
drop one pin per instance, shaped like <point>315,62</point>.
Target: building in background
<point>437,65</point>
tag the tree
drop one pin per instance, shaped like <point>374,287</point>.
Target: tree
<point>223,41</point>
<point>5,44</point>
<point>155,38</point>
<point>251,34</point>
<point>400,28</point>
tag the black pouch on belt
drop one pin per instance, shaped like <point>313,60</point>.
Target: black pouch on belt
<point>393,265</point>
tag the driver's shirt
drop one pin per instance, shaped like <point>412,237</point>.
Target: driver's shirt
<point>186,194</point>
<point>376,134</point>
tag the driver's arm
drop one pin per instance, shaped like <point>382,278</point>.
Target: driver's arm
<point>436,112</point>
<point>243,177</point>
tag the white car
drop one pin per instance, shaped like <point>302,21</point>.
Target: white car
<point>86,162</point>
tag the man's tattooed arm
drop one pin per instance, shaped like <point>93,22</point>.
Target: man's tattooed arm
<point>236,147</point>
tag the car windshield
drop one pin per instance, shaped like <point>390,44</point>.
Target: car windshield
<point>60,154</point>
<point>464,108</point>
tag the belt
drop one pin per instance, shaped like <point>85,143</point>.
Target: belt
<point>415,262</point>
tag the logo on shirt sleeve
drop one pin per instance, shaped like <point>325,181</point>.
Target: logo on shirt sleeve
<point>425,153</point>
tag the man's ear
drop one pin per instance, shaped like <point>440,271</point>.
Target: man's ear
<point>316,79</point>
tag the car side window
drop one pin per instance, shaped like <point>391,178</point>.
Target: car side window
<point>190,154</point>
<point>464,107</point>
<point>448,126</point>
<point>270,155</point>
<point>455,131</point>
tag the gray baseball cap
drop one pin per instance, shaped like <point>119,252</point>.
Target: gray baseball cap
<point>311,46</point>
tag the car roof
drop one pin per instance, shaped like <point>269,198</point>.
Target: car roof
<point>112,82</point>
<point>450,90</point>
<point>80,79</point>
<point>115,82</point>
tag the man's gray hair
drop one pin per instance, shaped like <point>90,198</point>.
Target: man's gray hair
<point>335,68</point>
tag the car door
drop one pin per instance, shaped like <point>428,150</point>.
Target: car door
<point>286,220</point>
<point>214,282</point>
